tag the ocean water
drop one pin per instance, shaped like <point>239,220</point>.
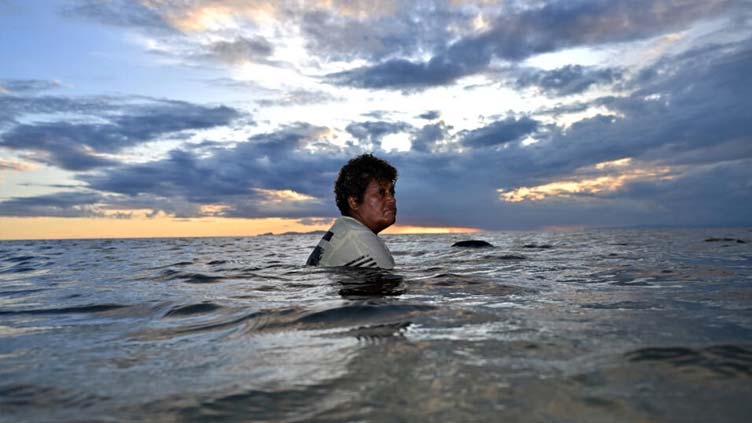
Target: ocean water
<point>594,326</point>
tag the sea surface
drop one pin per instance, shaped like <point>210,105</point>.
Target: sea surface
<point>649,325</point>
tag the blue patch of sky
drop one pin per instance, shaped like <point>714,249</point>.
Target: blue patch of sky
<point>89,58</point>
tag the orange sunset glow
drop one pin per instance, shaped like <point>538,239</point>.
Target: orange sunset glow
<point>165,227</point>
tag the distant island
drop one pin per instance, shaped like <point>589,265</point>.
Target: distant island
<point>293,233</point>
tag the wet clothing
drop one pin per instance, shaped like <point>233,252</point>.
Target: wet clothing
<point>350,243</point>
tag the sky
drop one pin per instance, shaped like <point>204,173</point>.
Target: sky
<point>229,118</point>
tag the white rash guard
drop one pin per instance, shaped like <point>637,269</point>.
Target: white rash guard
<point>350,243</point>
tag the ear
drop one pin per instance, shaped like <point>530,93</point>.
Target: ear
<point>352,201</point>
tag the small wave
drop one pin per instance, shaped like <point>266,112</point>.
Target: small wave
<point>18,259</point>
<point>637,282</point>
<point>20,292</point>
<point>287,319</point>
<point>360,313</point>
<point>177,275</point>
<point>538,246</point>
<point>18,268</point>
<point>736,240</point>
<point>96,308</point>
<point>200,278</point>
<point>466,284</point>
<point>21,397</point>
<point>252,405</point>
<point>166,275</point>
<point>622,305</point>
<point>192,309</point>
<point>178,264</point>
<point>506,257</point>
<point>723,360</point>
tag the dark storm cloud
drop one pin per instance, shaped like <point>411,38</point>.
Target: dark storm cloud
<point>700,101</point>
<point>78,146</point>
<point>693,112</point>
<point>430,115</point>
<point>64,204</point>
<point>426,138</point>
<point>566,24</point>
<point>570,79</point>
<point>515,36</point>
<point>270,161</point>
<point>371,132</point>
<point>717,194</point>
<point>409,75</point>
<point>500,132</point>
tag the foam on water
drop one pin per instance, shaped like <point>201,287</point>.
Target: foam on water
<point>597,325</point>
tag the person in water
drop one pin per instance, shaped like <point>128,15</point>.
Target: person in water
<point>364,192</point>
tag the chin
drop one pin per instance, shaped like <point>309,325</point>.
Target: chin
<point>386,223</point>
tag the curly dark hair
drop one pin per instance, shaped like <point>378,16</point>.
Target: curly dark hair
<point>354,177</point>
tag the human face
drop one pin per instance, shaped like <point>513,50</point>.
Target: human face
<point>378,210</point>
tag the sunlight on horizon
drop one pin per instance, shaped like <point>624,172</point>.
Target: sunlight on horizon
<point>39,228</point>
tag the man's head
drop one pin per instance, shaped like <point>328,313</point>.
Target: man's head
<point>365,191</point>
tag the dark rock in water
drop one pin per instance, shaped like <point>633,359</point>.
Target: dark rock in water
<point>738,241</point>
<point>541,246</point>
<point>511,257</point>
<point>473,243</point>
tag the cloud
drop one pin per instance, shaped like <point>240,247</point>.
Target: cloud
<point>15,165</point>
<point>698,102</point>
<point>382,31</point>
<point>14,106</point>
<point>500,132</point>
<point>561,24</point>
<point>26,86</point>
<point>270,174</point>
<point>241,50</point>
<point>122,13</point>
<point>408,75</point>
<point>519,34</point>
<point>430,115</point>
<point>567,80</point>
<point>313,221</point>
<point>406,45</point>
<point>299,97</point>
<point>63,204</point>
<point>426,139</point>
<point>690,117</point>
<point>370,133</point>
<point>601,178</point>
<point>84,146</point>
